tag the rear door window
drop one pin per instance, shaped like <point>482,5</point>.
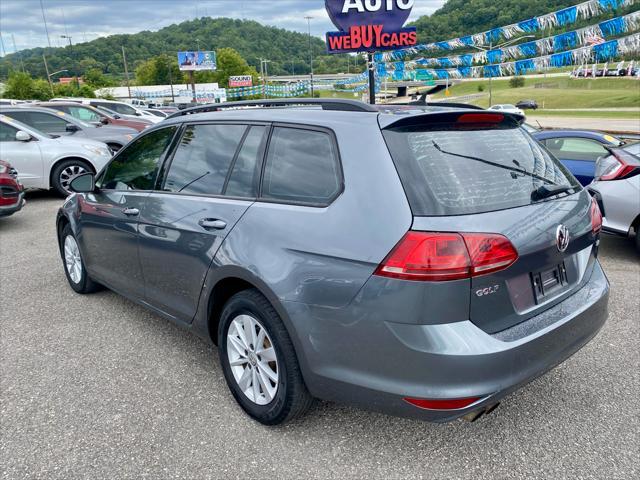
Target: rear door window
<point>449,171</point>
<point>576,148</point>
<point>202,160</point>
<point>244,175</point>
<point>302,166</point>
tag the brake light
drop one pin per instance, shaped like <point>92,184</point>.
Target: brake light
<point>621,170</point>
<point>452,404</point>
<point>481,118</point>
<point>430,256</point>
<point>596,217</point>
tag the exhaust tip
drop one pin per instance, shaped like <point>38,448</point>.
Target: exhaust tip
<point>476,414</point>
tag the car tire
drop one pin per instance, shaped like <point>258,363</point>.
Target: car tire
<point>65,172</point>
<point>269,400</point>
<point>638,239</point>
<point>73,264</point>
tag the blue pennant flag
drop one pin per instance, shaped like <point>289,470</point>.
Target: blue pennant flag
<point>493,35</point>
<point>561,59</point>
<point>606,51</point>
<point>529,26</point>
<point>566,16</point>
<point>494,56</point>
<point>467,41</point>
<point>465,71</point>
<point>565,41</point>
<point>529,49</point>
<point>445,62</point>
<point>491,71</point>
<point>443,45</point>
<point>524,66</point>
<point>466,60</point>
<point>612,27</point>
<point>610,4</point>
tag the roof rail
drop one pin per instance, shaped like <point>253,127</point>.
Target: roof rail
<point>338,104</point>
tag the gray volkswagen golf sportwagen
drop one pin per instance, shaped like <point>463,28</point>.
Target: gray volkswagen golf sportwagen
<point>424,263</point>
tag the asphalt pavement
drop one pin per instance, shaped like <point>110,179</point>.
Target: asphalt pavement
<point>98,387</point>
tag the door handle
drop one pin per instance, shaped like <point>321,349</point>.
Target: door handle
<point>131,212</point>
<point>212,224</point>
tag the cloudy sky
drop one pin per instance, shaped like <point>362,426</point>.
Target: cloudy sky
<point>85,20</point>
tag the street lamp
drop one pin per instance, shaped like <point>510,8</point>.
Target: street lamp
<point>308,19</point>
<point>491,47</point>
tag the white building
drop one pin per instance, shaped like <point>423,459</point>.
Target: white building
<point>182,93</point>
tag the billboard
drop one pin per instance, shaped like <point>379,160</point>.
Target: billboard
<point>241,81</point>
<point>369,26</point>
<point>197,61</point>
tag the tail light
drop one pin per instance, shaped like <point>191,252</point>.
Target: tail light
<point>429,256</point>
<point>596,217</point>
<point>618,165</point>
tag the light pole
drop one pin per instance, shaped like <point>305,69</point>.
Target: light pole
<point>68,37</point>
<point>308,18</point>
<point>491,47</point>
<point>263,72</point>
<point>51,75</point>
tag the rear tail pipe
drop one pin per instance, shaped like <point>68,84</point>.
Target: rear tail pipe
<point>476,414</point>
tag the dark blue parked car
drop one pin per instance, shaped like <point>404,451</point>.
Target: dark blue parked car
<point>578,150</point>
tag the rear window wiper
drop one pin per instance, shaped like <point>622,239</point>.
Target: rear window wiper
<point>546,191</point>
<point>516,172</point>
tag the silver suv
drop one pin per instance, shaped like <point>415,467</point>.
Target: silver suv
<point>424,263</point>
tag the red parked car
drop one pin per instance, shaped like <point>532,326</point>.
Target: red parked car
<point>90,114</point>
<point>11,191</point>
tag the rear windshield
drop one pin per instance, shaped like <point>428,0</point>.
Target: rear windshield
<point>450,171</point>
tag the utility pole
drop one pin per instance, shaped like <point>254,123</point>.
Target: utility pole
<point>46,68</point>
<point>44,19</point>
<point>310,53</point>
<point>15,49</point>
<point>68,37</point>
<point>192,80</point>
<point>126,71</point>
<point>173,98</point>
<point>372,79</point>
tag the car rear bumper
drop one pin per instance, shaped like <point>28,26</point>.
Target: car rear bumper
<point>6,210</point>
<point>376,365</point>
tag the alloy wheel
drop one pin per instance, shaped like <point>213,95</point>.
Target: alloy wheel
<point>252,359</point>
<point>68,174</point>
<point>72,259</point>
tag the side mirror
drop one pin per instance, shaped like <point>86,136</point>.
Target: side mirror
<point>72,128</point>
<point>104,120</point>
<point>138,114</point>
<point>22,136</point>
<point>85,183</point>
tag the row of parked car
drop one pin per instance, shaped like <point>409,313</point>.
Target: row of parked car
<point>51,143</point>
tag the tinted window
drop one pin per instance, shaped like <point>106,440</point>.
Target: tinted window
<point>576,148</point>
<point>117,107</point>
<point>136,166</point>
<point>458,172</point>
<point>82,113</point>
<point>242,182</point>
<point>7,133</point>
<point>302,166</point>
<point>45,122</point>
<point>202,160</point>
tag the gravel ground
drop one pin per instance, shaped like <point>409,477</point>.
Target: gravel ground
<point>97,387</point>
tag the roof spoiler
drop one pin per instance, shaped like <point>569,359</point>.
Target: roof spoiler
<point>468,118</point>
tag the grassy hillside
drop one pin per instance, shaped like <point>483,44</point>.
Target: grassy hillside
<point>557,92</point>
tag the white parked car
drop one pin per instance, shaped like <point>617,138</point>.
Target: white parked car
<point>508,109</point>
<point>48,161</point>
<point>121,108</point>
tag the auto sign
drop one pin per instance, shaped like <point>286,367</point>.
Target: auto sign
<point>369,25</point>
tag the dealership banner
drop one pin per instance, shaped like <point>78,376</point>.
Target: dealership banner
<point>241,81</point>
<point>369,25</point>
<point>197,61</point>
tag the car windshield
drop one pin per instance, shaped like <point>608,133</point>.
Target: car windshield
<point>459,172</point>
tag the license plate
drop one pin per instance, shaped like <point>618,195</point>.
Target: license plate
<point>548,282</point>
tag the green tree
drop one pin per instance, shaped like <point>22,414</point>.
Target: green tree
<point>229,63</point>
<point>19,86</point>
<point>97,79</point>
<point>160,70</point>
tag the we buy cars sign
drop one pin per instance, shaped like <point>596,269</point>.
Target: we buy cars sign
<point>370,25</point>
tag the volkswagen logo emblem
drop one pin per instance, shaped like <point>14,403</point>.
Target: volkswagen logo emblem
<point>562,238</point>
